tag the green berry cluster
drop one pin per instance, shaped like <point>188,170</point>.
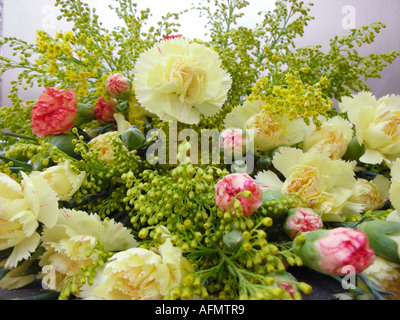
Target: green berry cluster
<point>98,258</point>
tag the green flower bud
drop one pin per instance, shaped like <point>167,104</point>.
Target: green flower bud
<point>269,195</point>
<point>354,150</point>
<point>239,166</point>
<point>85,113</point>
<point>38,165</point>
<point>233,239</point>
<point>133,138</point>
<point>264,163</point>
<point>64,143</point>
<point>384,238</point>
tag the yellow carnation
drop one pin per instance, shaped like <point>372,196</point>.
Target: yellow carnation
<point>377,125</point>
<point>331,138</point>
<point>140,274</point>
<point>181,80</point>
<point>103,143</point>
<point>22,207</point>
<point>386,275</point>
<point>270,130</point>
<point>64,259</point>
<point>326,184</point>
<point>63,180</point>
<point>75,234</point>
<point>394,191</point>
<point>372,195</point>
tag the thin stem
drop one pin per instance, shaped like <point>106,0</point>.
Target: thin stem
<point>18,135</point>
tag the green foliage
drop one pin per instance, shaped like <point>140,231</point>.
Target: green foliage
<point>263,63</point>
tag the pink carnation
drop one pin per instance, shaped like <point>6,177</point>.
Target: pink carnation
<point>302,220</point>
<point>104,110</point>
<point>344,247</point>
<point>54,112</point>
<point>233,141</point>
<point>228,187</point>
<point>118,86</point>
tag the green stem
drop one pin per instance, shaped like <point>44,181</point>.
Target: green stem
<point>18,135</point>
<point>20,163</point>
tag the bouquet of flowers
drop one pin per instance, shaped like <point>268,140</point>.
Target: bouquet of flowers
<point>154,166</point>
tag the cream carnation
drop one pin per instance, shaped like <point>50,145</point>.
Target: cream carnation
<point>372,195</point>
<point>181,80</point>
<point>394,191</point>
<point>103,143</point>
<point>326,184</point>
<point>64,259</point>
<point>377,125</point>
<point>331,138</point>
<point>22,207</point>
<point>270,131</point>
<point>103,146</point>
<point>63,180</point>
<point>75,234</point>
<point>139,274</point>
<point>386,275</point>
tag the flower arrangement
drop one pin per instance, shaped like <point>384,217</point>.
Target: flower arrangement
<point>106,192</point>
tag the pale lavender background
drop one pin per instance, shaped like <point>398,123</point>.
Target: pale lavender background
<point>21,18</point>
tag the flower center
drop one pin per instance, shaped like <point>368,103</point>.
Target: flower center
<point>304,181</point>
<point>265,125</point>
<point>188,78</point>
<point>391,128</point>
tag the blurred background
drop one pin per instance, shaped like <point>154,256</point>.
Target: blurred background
<point>21,19</point>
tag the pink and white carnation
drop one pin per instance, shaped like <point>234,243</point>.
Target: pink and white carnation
<point>228,189</point>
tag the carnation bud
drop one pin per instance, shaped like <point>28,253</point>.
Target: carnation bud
<point>239,166</point>
<point>301,220</point>
<point>264,162</point>
<point>354,150</point>
<point>133,138</point>
<point>227,191</point>
<point>269,195</point>
<point>85,113</point>
<point>332,251</point>
<point>118,86</point>
<point>64,143</point>
<point>233,239</point>
<point>105,110</point>
<point>384,237</point>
